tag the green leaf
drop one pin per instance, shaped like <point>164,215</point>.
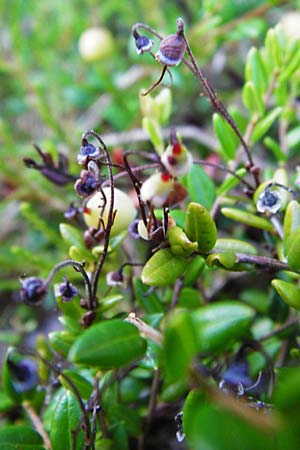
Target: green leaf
<point>200,227</point>
<point>153,129</point>
<point>108,302</point>
<point>256,73</point>
<point>273,48</point>
<point>219,324</point>
<point>179,345</point>
<point>231,182</point>
<point>265,124</point>
<point>209,425</point>
<point>275,148</point>
<point>179,243</point>
<point>291,222</point>
<point>200,186</point>
<point>234,245</point>
<point>66,419</point>
<point>84,387</point>
<point>226,136</point>
<point>150,302</point>
<point>194,269</point>
<point>252,100</point>
<point>290,68</point>
<point>288,292</point>
<point>247,218</point>
<point>20,437</point>
<point>190,298</point>
<point>73,237</point>
<point>224,260</point>
<point>292,246</point>
<point>61,341</point>
<point>108,345</point>
<point>163,268</point>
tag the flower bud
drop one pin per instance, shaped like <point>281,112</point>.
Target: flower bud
<point>33,291</point>
<point>86,184</point>
<point>98,207</point>
<point>156,189</point>
<point>88,152</point>
<point>115,279</point>
<point>177,159</point>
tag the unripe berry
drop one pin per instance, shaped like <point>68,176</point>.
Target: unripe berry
<point>95,43</point>
<point>156,189</point>
<point>96,208</point>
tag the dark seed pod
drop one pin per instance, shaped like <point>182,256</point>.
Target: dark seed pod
<point>86,184</point>
<point>33,291</point>
<point>171,50</point>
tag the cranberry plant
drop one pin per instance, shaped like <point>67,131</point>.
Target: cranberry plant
<point>179,301</point>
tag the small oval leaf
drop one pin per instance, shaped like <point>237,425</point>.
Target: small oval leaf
<point>292,246</point>
<point>218,324</point>
<point>108,345</point>
<point>200,186</point>
<point>200,227</point>
<point>247,218</point>
<point>234,245</point>
<point>179,242</point>
<point>288,292</point>
<point>291,221</point>
<point>163,268</point>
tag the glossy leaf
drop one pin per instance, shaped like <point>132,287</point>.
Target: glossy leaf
<point>292,247</point>
<point>231,182</point>
<point>150,302</point>
<point>200,227</point>
<point>194,269</point>
<point>275,148</point>
<point>256,72</point>
<point>152,128</point>
<point>208,425</point>
<point>109,344</point>
<point>288,292</point>
<point>73,237</point>
<point>263,126</point>
<point>224,260</point>
<point>252,99</point>
<point>84,387</point>
<point>200,186</point>
<point>179,345</point>
<point>290,68</point>
<point>291,221</point>
<point>227,138</point>
<point>190,298</point>
<point>163,268</point>
<point>61,341</point>
<point>15,437</point>
<point>234,245</point>
<point>219,324</point>
<point>247,218</point>
<point>66,419</point>
<point>179,242</point>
